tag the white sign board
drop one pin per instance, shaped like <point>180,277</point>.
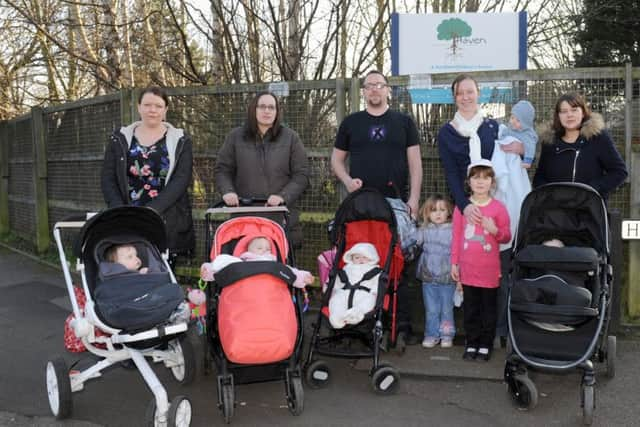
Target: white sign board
<point>631,229</point>
<point>458,42</point>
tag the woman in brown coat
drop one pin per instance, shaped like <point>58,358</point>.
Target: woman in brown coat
<point>263,159</point>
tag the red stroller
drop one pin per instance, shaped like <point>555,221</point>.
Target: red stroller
<point>364,216</point>
<point>254,319</point>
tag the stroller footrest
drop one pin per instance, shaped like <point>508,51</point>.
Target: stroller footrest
<point>151,333</point>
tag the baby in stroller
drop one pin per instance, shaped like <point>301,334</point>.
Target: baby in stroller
<point>124,298</point>
<point>356,287</point>
<point>122,259</point>
<point>258,249</point>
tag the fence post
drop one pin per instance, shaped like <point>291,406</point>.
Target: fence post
<point>127,105</point>
<point>354,95</point>
<point>341,100</point>
<point>4,178</point>
<point>633,278</point>
<point>42,239</point>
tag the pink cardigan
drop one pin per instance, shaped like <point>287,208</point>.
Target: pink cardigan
<point>475,250</point>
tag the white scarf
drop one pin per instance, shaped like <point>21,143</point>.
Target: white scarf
<point>469,128</point>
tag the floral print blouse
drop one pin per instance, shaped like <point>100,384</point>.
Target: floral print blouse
<point>147,169</point>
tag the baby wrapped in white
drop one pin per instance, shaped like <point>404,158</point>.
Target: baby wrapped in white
<point>361,259</point>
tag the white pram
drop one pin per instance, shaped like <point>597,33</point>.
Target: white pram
<point>162,340</point>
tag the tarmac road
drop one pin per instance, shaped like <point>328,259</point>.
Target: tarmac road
<point>437,387</point>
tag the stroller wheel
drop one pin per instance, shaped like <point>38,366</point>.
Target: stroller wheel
<point>385,379</point>
<point>317,374</point>
<point>228,402</point>
<point>610,357</point>
<point>295,395</point>
<point>183,367</point>
<point>59,388</point>
<point>179,412</point>
<point>523,391</point>
<point>588,404</point>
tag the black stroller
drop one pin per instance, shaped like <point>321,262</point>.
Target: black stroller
<point>561,287</point>
<point>364,216</point>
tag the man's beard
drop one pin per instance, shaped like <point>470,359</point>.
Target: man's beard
<point>377,102</point>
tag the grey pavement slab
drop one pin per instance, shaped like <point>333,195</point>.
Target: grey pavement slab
<point>440,363</point>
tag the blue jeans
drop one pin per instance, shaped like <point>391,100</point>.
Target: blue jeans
<point>438,303</point>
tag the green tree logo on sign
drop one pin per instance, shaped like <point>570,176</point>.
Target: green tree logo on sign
<point>454,29</point>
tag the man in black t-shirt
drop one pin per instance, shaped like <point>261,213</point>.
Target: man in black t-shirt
<point>384,153</point>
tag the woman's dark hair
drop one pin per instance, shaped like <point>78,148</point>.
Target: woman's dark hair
<point>251,126</point>
<point>575,100</point>
<point>460,78</point>
<point>154,90</point>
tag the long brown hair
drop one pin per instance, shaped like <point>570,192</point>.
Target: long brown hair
<point>251,127</point>
<point>575,100</point>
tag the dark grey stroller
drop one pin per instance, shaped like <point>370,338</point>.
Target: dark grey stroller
<point>560,293</point>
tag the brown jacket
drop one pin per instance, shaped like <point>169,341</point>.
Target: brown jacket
<point>260,168</point>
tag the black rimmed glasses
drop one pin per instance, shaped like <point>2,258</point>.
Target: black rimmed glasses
<point>371,86</point>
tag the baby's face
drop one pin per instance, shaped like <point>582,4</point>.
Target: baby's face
<point>128,256</point>
<point>360,259</point>
<point>259,247</point>
<point>515,123</point>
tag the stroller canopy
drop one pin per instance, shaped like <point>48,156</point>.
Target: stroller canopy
<point>572,212</point>
<point>138,222</point>
<point>363,204</point>
<point>233,236</point>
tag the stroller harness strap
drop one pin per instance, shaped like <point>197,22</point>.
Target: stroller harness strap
<point>240,270</point>
<point>352,288</point>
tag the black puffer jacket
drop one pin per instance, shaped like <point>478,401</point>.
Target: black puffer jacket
<point>173,202</point>
<point>592,159</point>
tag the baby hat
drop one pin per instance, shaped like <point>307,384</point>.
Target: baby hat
<point>366,249</point>
<point>525,113</point>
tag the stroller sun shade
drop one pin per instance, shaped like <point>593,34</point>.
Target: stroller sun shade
<point>138,222</point>
<point>572,212</point>
<point>363,204</point>
<point>242,230</point>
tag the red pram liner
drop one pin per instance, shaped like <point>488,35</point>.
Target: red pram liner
<point>379,235</point>
<point>257,321</point>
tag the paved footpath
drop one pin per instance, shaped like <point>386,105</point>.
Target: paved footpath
<point>437,387</point>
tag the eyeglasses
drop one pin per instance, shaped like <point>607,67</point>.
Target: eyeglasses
<point>265,107</point>
<point>379,86</point>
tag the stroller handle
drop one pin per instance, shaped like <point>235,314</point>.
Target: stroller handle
<point>247,205</point>
<point>74,221</point>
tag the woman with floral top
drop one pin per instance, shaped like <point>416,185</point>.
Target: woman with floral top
<point>149,163</point>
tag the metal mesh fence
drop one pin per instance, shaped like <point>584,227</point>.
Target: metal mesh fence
<point>76,134</point>
<point>21,177</point>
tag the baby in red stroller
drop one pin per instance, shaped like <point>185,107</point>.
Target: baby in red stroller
<point>356,289</point>
<point>258,249</point>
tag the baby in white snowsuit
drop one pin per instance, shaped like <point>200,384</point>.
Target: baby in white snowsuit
<point>361,259</point>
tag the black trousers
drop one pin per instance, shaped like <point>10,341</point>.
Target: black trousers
<point>479,315</point>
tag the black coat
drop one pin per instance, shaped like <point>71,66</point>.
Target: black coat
<point>593,159</point>
<point>173,203</point>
